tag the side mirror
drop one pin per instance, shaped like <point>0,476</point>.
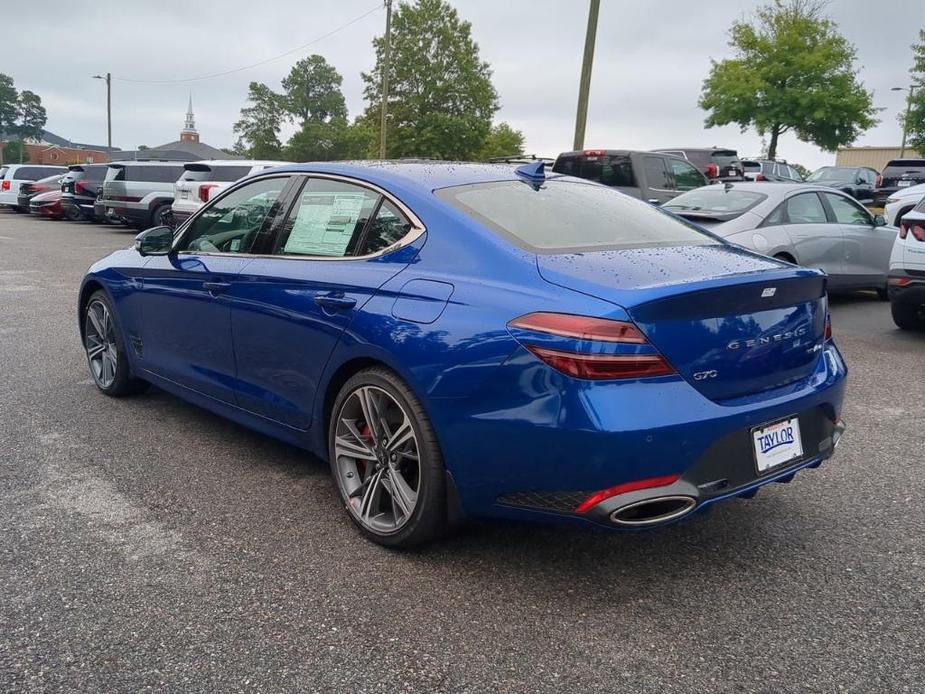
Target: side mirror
<point>879,220</point>
<point>154,241</point>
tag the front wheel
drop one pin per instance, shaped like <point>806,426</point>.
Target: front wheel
<point>105,350</point>
<point>386,461</point>
<point>908,316</point>
<point>72,214</point>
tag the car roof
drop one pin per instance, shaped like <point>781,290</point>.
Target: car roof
<point>782,188</point>
<point>235,162</point>
<point>421,175</point>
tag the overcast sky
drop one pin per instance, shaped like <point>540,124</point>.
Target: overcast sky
<point>650,62</point>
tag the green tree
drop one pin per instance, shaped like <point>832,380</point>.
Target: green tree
<point>312,92</point>
<point>914,122</point>
<point>32,117</point>
<point>802,170</point>
<point>15,151</point>
<point>336,140</point>
<point>9,105</point>
<point>441,100</point>
<point>258,127</point>
<point>502,141</point>
<point>792,71</point>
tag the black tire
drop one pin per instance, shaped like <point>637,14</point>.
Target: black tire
<point>428,520</point>
<point>162,216</point>
<point>908,316</point>
<point>73,214</point>
<point>123,382</point>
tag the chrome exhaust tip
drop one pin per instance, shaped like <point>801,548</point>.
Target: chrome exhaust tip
<point>653,511</point>
<point>837,432</point>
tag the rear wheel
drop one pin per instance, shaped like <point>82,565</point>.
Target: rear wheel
<point>386,461</point>
<point>72,214</point>
<point>908,316</point>
<point>105,350</point>
<point>162,216</point>
<point>786,257</point>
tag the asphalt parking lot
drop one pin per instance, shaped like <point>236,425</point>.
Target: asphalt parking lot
<point>146,545</point>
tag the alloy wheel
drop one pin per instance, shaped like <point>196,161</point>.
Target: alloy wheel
<point>377,460</point>
<point>100,343</point>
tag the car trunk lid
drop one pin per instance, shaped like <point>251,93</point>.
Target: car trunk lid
<point>730,322</point>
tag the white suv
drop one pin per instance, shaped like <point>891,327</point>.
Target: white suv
<point>902,201</point>
<point>203,180</point>
<point>14,175</point>
<point>907,271</point>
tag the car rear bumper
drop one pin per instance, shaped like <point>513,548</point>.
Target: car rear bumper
<point>906,286</point>
<point>543,459</point>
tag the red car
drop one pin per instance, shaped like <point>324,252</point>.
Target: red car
<point>47,205</point>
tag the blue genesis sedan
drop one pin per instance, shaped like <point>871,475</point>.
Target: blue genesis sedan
<point>466,340</point>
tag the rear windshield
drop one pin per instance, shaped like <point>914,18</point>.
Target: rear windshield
<point>611,170</point>
<point>716,201</point>
<point>216,173</point>
<point>724,155</point>
<point>898,167</point>
<point>832,173</point>
<point>751,165</point>
<point>563,217</point>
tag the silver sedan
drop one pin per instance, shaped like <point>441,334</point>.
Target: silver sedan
<point>813,226</point>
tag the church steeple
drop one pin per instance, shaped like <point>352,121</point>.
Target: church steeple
<point>189,134</point>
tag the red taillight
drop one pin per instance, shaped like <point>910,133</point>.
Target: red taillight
<point>593,366</point>
<point>80,187</point>
<point>879,183</point>
<point>204,191</point>
<point>580,327</point>
<point>605,494</point>
<point>760,177</point>
<point>5,186</point>
<point>712,170</point>
<point>593,153</point>
<point>828,328</point>
<point>899,281</point>
<point>598,367</point>
<point>918,231</point>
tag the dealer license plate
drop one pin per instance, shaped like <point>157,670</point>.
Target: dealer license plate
<point>903,184</point>
<point>777,444</point>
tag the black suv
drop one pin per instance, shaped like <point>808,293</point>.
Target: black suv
<point>650,176</point>
<point>898,174</point>
<point>859,182</point>
<point>716,163</point>
<point>79,189</point>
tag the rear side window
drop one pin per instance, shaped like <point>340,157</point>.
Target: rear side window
<point>31,173</point>
<point>115,173</point>
<point>3,170</point>
<point>153,174</point>
<point>805,208</point>
<point>611,170</point>
<point>563,217</point>
<point>389,226</point>
<point>328,219</point>
<point>657,173</point>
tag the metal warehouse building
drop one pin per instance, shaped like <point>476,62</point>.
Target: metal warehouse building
<point>874,157</point>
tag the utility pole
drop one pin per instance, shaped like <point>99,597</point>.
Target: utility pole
<point>911,91</point>
<point>108,79</point>
<point>585,85</point>
<point>385,77</point>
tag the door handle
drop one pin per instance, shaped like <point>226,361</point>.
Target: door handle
<point>216,287</point>
<point>341,303</point>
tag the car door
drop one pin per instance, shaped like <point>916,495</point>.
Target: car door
<point>186,313</point>
<point>291,307</point>
<point>659,187</point>
<point>816,241</point>
<point>867,246</point>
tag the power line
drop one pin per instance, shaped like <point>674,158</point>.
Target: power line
<point>262,62</point>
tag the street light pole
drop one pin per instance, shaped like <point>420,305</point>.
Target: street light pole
<point>385,77</point>
<point>585,85</point>
<point>911,91</point>
<point>108,79</point>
